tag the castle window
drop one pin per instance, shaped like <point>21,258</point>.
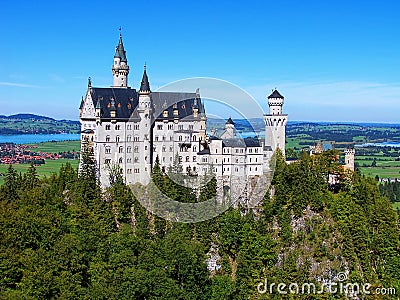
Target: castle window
<point>156,138</point>
<point>194,158</point>
<point>171,138</point>
<point>171,149</point>
<point>256,168</point>
<point>136,139</point>
<point>129,127</point>
<point>117,127</point>
<point>180,158</point>
<point>129,171</point>
<point>121,149</point>
<point>136,149</point>
<point>180,138</point>
<point>117,138</point>
<point>108,127</point>
<point>120,160</point>
<point>137,171</point>
<point>187,158</point>
<point>170,126</point>
<point>107,138</point>
<point>129,149</point>
<point>129,138</point>
<point>194,138</point>
<point>164,149</point>
<point>136,127</point>
<point>108,150</point>
<point>190,127</point>
<point>107,161</point>
<point>194,148</point>
<point>163,159</point>
<point>129,160</point>
<point>160,127</point>
<point>180,127</point>
<point>136,159</point>
<point>145,147</point>
<point>163,138</point>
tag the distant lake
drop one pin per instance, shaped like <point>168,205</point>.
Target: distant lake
<point>383,144</point>
<point>38,138</point>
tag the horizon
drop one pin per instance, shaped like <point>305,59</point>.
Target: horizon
<point>236,119</point>
<point>332,62</point>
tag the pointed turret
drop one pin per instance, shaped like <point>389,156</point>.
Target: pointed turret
<point>144,85</point>
<point>230,121</point>
<point>120,51</point>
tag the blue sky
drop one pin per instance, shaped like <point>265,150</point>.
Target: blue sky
<point>332,60</point>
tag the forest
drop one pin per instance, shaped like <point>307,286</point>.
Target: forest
<point>62,237</point>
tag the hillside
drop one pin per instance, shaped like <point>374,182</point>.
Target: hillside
<point>34,124</point>
<point>61,239</point>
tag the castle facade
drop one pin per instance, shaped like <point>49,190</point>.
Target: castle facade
<point>131,129</point>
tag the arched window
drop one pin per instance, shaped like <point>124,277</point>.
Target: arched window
<point>121,149</point>
<point>107,138</point>
<point>120,160</point>
<point>117,138</point>
<point>194,138</point>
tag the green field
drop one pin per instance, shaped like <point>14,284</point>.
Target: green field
<point>51,166</point>
<point>382,172</point>
<point>56,147</point>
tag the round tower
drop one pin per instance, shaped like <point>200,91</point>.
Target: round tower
<point>275,123</point>
<point>120,68</point>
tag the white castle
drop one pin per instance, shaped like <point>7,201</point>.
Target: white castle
<point>130,129</point>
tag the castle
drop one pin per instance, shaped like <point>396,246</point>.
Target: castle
<point>131,129</point>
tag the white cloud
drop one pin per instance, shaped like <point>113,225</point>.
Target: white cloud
<point>24,85</point>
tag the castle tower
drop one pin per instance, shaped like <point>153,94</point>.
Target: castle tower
<point>229,132</point>
<point>120,68</point>
<point>349,154</point>
<point>275,123</point>
<point>145,137</point>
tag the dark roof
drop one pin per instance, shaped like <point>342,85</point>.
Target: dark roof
<point>171,101</point>
<point>230,121</point>
<point>145,85</point>
<point>236,143</point>
<point>125,101</point>
<point>275,94</point>
<point>120,51</point>
<point>252,142</point>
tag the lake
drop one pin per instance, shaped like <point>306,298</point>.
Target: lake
<point>383,144</point>
<point>38,138</point>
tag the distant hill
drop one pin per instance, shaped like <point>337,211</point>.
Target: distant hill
<point>26,117</point>
<point>35,124</point>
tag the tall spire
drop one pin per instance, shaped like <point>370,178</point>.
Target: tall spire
<point>144,85</point>
<point>120,51</point>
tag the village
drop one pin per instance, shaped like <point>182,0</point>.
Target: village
<point>11,153</point>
